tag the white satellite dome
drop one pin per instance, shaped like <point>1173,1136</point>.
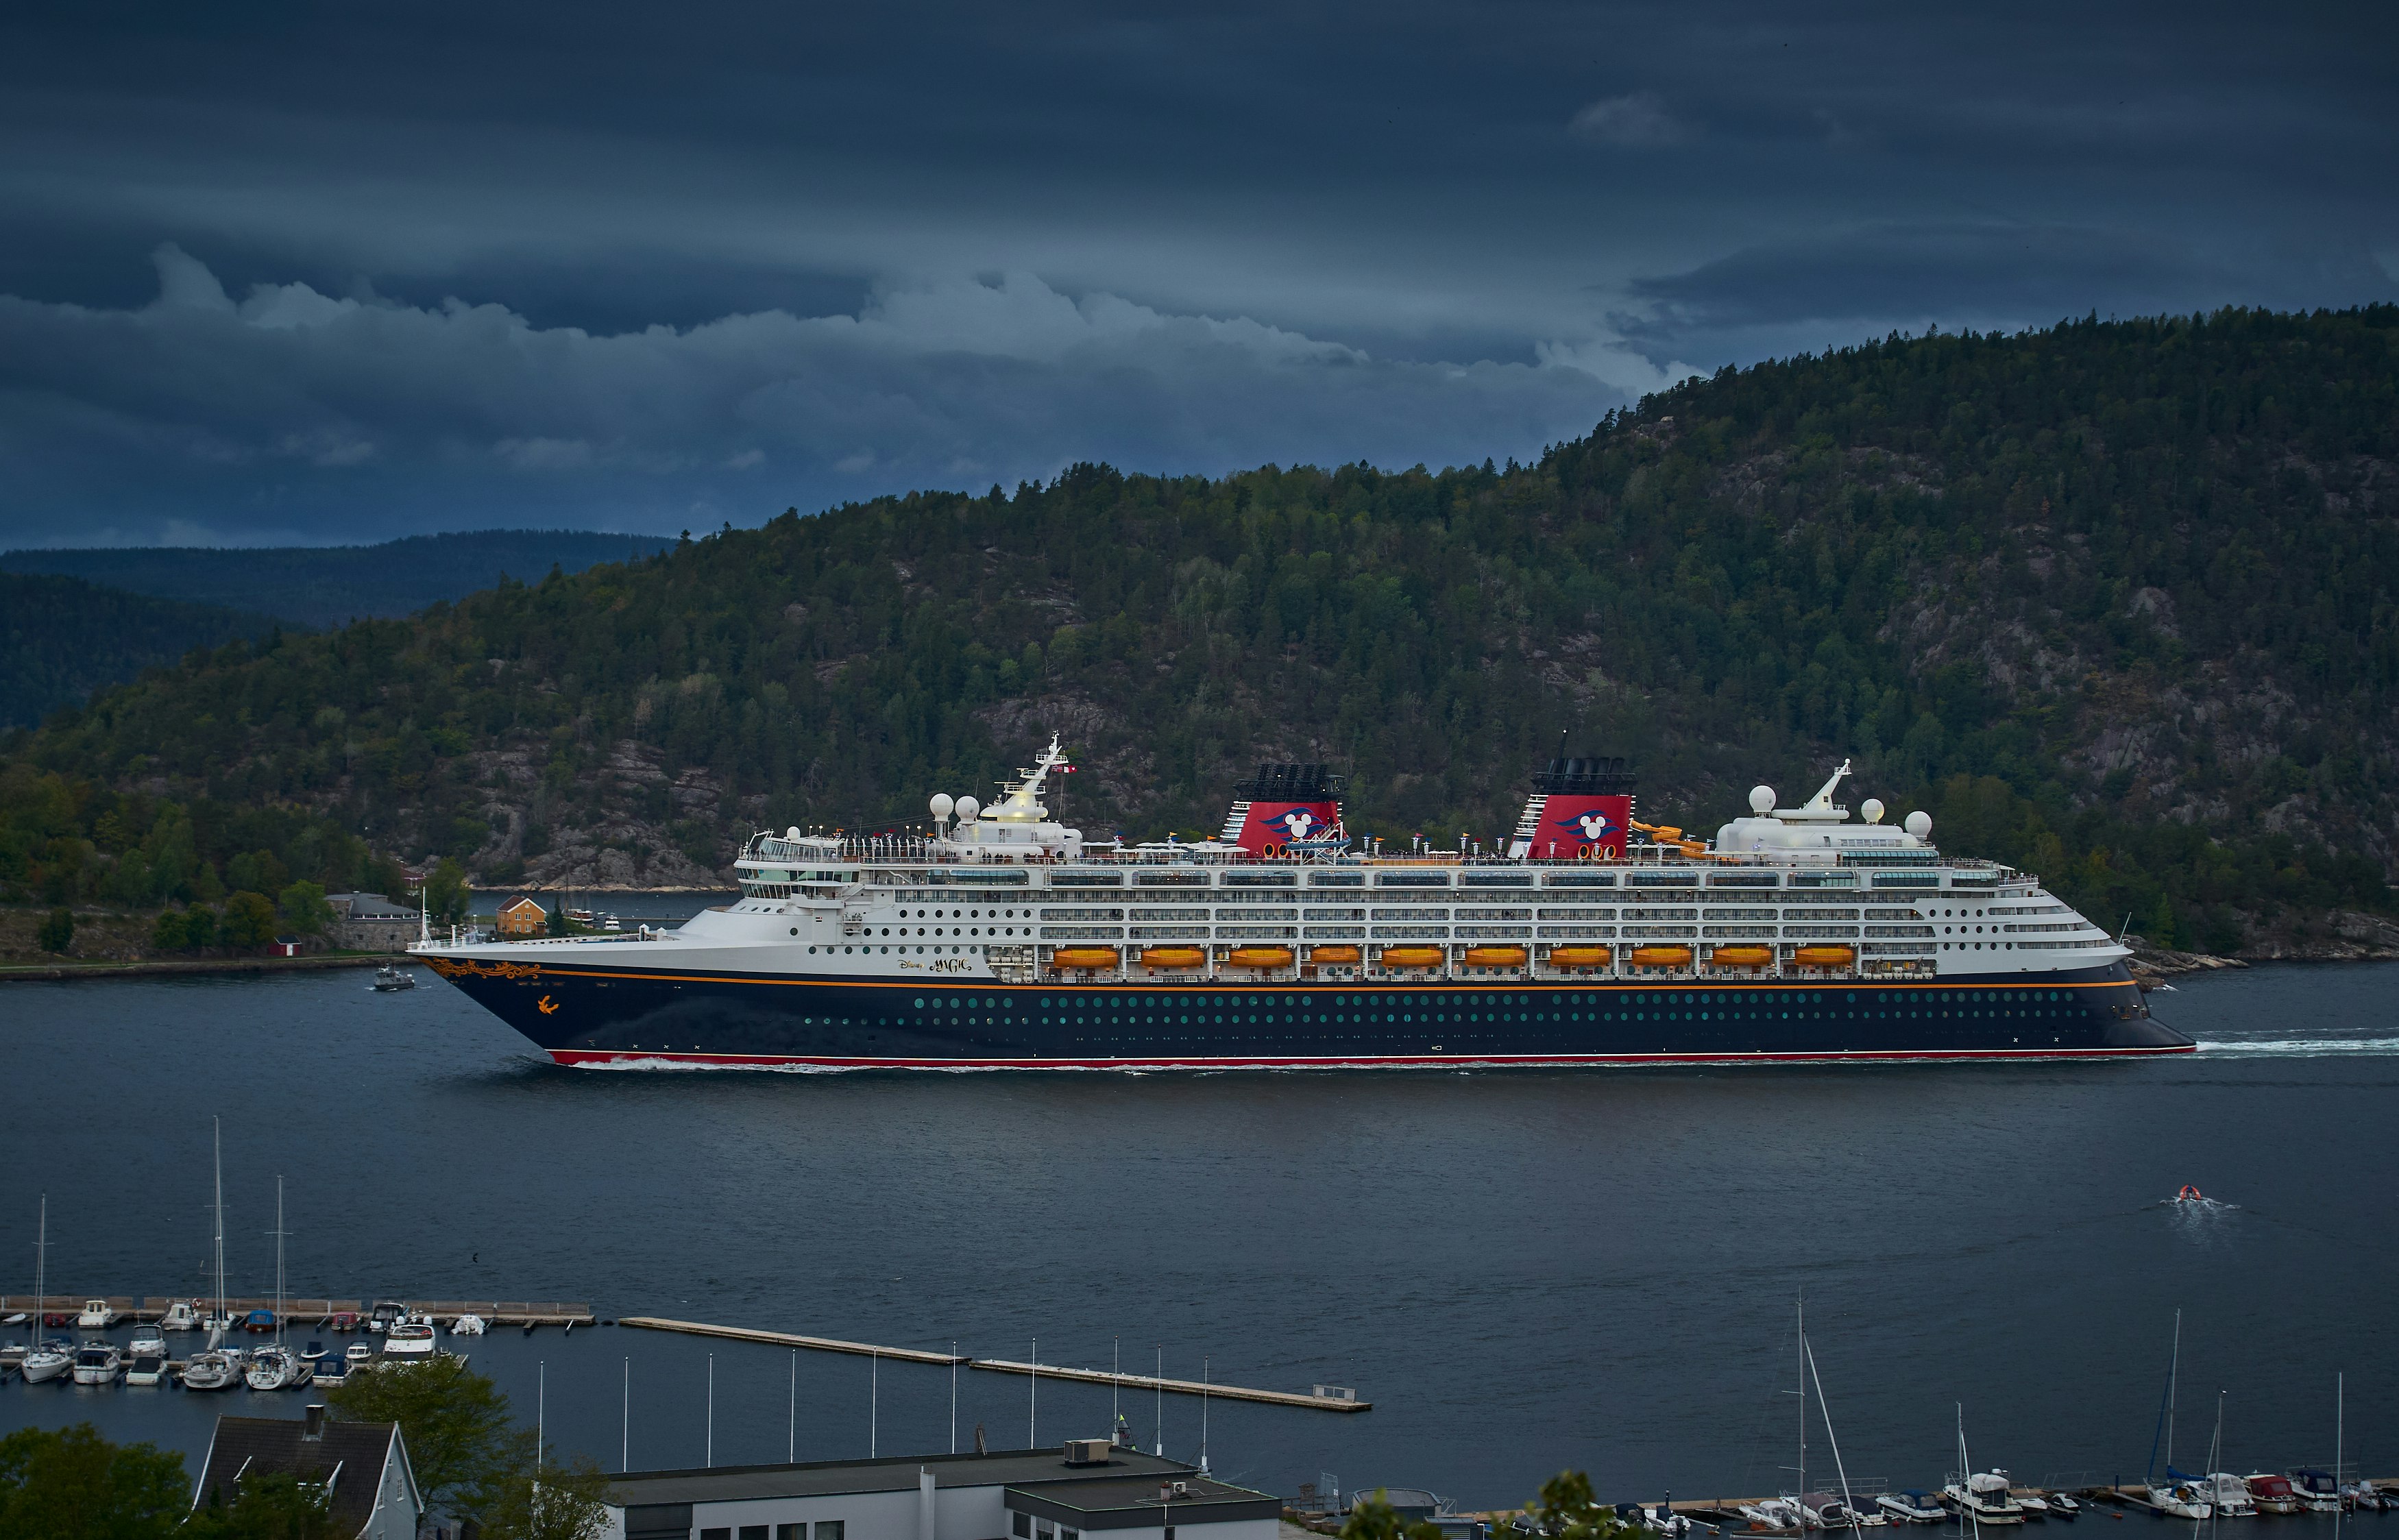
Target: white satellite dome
<point>969,808</point>
<point>792,832</point>
<point>941,804</point>
<point>1919,824</point>
<point>1761,800</point>
<point>1872,811</point>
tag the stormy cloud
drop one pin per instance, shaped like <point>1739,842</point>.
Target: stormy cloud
<point>297,273</point>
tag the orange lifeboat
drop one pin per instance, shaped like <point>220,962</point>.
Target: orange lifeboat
<point>1662,956</point>
<point>1086,959</point>
<point>1495,957</point>
<point>1332,954</point>
<point>1741,956</point>
<point>1825,956</point>
<point>1579,957</point>
<point>1172,958</point>
<point>1411,957</point>
<point>1260,957</point>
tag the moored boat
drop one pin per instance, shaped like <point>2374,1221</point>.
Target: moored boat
<point>213,1369</point>
<point>99,1363</point>
<point>1913,1505</point>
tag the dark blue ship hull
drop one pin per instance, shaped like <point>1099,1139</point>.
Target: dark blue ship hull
<point>593,1017</point>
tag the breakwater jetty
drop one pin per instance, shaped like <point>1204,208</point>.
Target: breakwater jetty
<point>1323,1399</point>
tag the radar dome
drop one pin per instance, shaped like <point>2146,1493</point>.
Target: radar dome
<point>941,804</point>
<point>792,832</point>
<point>1872,811</point>
<point>1761,799</point>
<point>1919,824</point>
<point>969,808</point>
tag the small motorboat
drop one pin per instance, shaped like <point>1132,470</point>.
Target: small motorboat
<point>466,1326</point>
<point>2363,1496</point>
<point>343,1321</point>
<point>181,1316</point>
<point>358,1353</point>
<point>410,1339</point>
<point>2230,1493</point>
<point>388,979</point>
<point>259,1320</point>
<point>1913,1506</point>
<point>2065,1506</point>
<point>146,1338</point>
<point>96,1316</point>
<point>15,1317</point>
<point>333,1369</point>
<point>98,1363</point>
<point>1827,1511</point>
<point>1774,1513</point>
<point>384,1314</point>
<point>146,1369</point>
<point>2273,1493</point>
<point>2317,1491</point>
<point>1984,1495</point>
<point>274,1367</point>
<point>2191,1195</point>
<point>214,1369</point>
<point>2036,1506</point>
<point>313,1352</point>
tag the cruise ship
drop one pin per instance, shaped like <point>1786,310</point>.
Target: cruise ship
<point>1003,940</point>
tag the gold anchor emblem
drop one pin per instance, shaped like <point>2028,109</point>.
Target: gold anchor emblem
<point>549,1006</point>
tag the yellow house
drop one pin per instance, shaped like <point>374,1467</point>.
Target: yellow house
<point>522,918</point>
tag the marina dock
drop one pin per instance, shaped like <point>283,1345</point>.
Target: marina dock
<point>1330,1400</point>
<point>144,1309</point>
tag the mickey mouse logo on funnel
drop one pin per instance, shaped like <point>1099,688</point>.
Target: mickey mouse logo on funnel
<point>1284,803</point>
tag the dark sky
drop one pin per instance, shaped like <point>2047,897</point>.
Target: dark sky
<point>319,272</point>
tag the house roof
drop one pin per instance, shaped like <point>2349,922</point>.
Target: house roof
<point>896,1473</point>
<point>352,1456</point>
<point>516,904</point>
<point>369,905</point>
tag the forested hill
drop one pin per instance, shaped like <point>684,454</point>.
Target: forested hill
<point>2113,600</point>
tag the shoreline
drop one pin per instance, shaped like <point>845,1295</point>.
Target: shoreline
<point>57,972</point>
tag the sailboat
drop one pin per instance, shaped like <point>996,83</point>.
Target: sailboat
<point>1826,1511</point>
<point>2185,1498</point>
<point>216,1367</point>
<point>44,1360</point>
<point>276,1367</point>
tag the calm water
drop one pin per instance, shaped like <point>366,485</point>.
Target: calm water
<point>1524,1271</point>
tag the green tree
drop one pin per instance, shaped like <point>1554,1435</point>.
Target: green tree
<point>445,891</point>
<point>455,1422</point>
<point>555,1503</point>
<point>249,921</point>
<point>167,932</point>
<point>71,1484</point>
<point>199,929</point>
<point>268,1508</point>
<point>304,909</point>
<point>55,932</point>
<point>1374,1518</point>
<point>1566,1510</point>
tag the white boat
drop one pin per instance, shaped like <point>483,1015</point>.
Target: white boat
<point>1985,1497</point>
<point>2272,1494</point>
<point>1827,1511</point>
<point>2036,1506</point>
<point>213,1369</point>
<point>2317,1491</point>
<point>276,1367</point>
<point>359,1352</point>
<point>45,1361</point>
<point>146,1369</point>
<point>96,1316</point>
<point>1912,1506</point>
<point>98,1363</point>
<point>1773,1513</point>
<point>333,1369</point>
<point>181,1316</point>
<point>466,1326</point>
<point>409,1339</point>
<point>2230,1493</point>
<point>146,1340</point>
<point>2180,1500</point>
<point>2063,1505</point>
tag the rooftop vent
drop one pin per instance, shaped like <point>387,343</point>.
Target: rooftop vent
<point>1589,778</point>
<point>1087,1452</point>
<point>316,1423</point>
<point>1292,783</point>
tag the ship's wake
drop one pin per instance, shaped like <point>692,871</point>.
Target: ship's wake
<point>2300,1048</point>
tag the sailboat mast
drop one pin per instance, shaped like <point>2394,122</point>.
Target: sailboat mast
<point>219,1122</point>
<point>41,1267</point>
<point>2339,1410</point>
<point>278,1260</point>
<point>2174,1376</point>
<point>1803,1412</point>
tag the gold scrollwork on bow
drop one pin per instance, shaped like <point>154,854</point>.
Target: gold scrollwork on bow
<point>470,969</point>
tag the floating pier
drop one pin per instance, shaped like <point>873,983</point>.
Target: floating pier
<point>1330,1398</point>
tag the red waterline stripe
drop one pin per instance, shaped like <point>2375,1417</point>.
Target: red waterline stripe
<point>574,1058</point>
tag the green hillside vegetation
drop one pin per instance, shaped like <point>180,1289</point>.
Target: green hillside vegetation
<point>61,637</point>
<point>313,586</point>
<point>2112,600</point>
